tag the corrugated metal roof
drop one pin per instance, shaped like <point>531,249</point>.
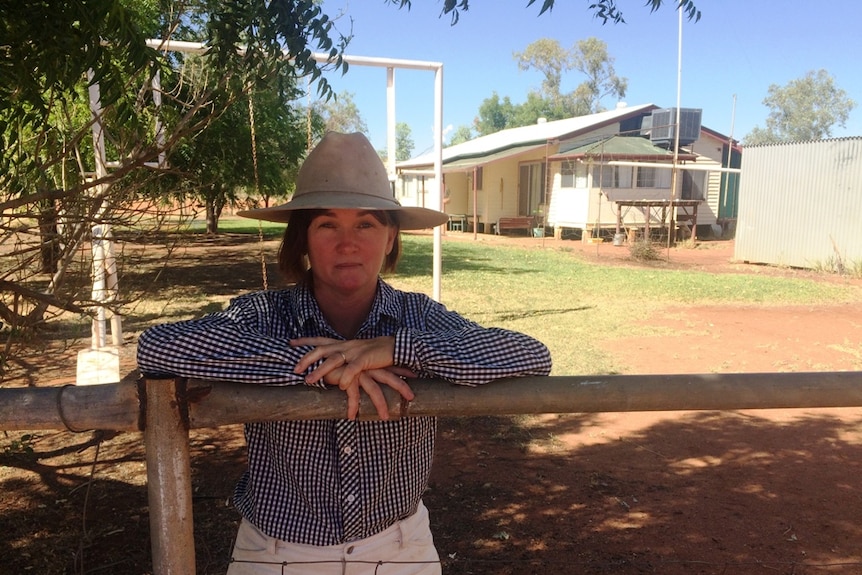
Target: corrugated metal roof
<point>518,140</point>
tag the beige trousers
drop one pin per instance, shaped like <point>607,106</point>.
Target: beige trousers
<point>405,548</point>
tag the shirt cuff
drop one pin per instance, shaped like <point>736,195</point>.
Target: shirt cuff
<point>405,352</point>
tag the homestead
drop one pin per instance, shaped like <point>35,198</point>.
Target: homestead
<point>578,173</point>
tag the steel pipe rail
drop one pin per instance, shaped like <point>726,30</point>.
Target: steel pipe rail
<point>121,406</point>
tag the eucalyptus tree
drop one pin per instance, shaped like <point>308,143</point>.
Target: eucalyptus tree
<point>52,191</point>
<point>806,108</point>
<point>53,54</point>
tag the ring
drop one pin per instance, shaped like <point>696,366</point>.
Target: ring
<point>344,357</point>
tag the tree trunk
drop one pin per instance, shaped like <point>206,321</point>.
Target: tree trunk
<point>49,237</point>
<point>214,208</point>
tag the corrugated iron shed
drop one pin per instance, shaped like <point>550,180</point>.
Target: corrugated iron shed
<point>800,205</point>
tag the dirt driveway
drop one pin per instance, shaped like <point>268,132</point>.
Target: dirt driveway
<point>744,492</point>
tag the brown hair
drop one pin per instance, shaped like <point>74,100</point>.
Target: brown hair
<point>293,251</point>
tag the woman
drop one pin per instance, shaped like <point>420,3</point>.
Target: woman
<point>340,496</point>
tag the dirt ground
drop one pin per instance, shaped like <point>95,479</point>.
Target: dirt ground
<point>742,492</point>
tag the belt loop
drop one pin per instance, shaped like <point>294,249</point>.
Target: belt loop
<point>405,535</point>
<point>271,544</point>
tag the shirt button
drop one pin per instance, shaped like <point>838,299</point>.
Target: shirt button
<point>351,498</point>
<point>348,450</point>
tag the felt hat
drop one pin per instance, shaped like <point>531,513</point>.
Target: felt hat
<point>344,172</point>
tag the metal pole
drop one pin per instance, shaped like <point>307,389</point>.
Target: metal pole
<point>228,403</point>
<point>674,173</point>
<point>437,267</point>
<point>117,406</point>
<point>169,485</point>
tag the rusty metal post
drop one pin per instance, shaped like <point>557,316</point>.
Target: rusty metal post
<point>169,487</point>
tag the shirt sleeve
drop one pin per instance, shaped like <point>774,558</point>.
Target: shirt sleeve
<point>445,345</point>
<point>246,343</point>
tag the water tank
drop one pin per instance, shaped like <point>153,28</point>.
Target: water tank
<point>663,128</point>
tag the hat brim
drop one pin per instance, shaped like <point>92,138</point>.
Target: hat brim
<point>409,217</point>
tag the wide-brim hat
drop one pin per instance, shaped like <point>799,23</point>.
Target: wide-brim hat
<point>344,172</point>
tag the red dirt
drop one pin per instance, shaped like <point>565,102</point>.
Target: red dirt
<point>742,492</point>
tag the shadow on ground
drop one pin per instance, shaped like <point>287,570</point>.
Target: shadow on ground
<point>707,493</point>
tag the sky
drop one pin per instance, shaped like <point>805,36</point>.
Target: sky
<point>729,58</point>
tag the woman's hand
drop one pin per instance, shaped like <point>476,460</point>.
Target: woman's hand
<point>355,364</point>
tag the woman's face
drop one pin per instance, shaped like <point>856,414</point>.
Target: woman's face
<point>346,250</point>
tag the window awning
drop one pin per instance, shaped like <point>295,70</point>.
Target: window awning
<point>632,148</point>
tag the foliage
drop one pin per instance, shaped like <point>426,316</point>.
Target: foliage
<point>494,115</point>
<point>403,143</point>
<point>604,10</point>
<point>806,108</point>
<point>340,114</point>
<point>21,447</point>
<point>644,250</point>
<point>460,135</point>
<point>589,56</point>
<point>54,192</point>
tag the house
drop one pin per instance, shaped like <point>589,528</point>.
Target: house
<point>571,174</point>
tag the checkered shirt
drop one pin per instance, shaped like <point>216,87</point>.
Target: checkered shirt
<point>326,482</point>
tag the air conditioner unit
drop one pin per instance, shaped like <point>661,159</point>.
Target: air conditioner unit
<point>663,129</point>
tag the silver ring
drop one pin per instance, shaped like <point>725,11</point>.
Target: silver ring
<point>344,357</point>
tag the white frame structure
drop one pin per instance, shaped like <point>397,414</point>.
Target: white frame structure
<point>101,236</point>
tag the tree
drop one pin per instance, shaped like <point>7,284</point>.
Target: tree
<point>403,143</point>
<point>494,115</point>
<point>223,166</point>
<point>806,108</point>
<point>551,59</point>
<point>341,114</point>
<point>47,163</point>
<point>461,134</point>
<point>589,56</point>
<point>52,193</point>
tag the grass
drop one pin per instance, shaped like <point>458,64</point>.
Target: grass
<point>573,305</point>
<point>230,225</point>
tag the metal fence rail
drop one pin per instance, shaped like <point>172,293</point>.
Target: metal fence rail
<point>166,409</point>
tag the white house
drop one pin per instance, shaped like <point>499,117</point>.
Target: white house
<point>572,173</point>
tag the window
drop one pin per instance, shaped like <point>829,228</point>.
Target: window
<point>612,177</point>
<point>646,178</point>
<point>567,174</point>
<point>573,175</point>
<point>531,188</point>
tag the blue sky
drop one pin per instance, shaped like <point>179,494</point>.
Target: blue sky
<point>739,47</point>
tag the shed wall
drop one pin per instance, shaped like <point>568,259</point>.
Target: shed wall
<point>800,205</point>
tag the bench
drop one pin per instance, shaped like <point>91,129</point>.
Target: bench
<point>516,223</point>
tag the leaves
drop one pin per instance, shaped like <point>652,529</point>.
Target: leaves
<point>605,10</point>
<point>806,108</point>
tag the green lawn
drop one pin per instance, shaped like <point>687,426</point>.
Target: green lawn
<point>572,305</point>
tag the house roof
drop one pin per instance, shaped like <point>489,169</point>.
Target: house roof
<point>515,141</point>
<point>616,148</point>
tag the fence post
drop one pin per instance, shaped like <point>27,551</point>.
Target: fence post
<point>169,489</point>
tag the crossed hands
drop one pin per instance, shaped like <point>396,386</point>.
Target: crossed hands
<point>355,364</point>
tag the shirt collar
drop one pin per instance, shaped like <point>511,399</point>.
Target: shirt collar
<point>385,305</point>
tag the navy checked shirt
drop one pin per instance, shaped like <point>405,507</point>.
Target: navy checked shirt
<point>326,482</point>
